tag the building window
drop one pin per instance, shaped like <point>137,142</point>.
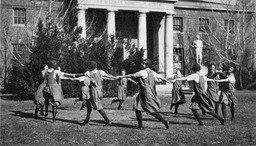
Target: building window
<point>204,25</point>
<point>229,25</point>
<point>178,54</point>
<point>178,24</point>
<point>178,59</point>
<point>19,16</point>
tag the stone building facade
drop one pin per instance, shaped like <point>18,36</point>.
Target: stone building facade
<point>165,29</point>
<point>150,23</point>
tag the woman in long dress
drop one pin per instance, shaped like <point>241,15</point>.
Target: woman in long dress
<point>53,91</point>
<point>39,98</point>
<point>227,96</point>
<point>96,92</point>
<point>178,96</point>
<point>147,99</point>
<point>122,90</point>
<point>85,94</point>
<point>212,86</point>
<point>201,99</point>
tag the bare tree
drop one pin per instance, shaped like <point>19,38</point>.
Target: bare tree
<point>25,38</point>
<point>231,33</point>
<point>7,51</point>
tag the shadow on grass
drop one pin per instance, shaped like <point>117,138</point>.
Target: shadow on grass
<point>22,114</point>
<point>201,117</point>
<point>113,124</point>
<point>136,126</point>
<point>186,115</point>
<point>123,125</point>
<point>29,115</point>
<point>67,108</point>
<point>114,108</point>
<point>180,123</point>
<point>49,119</point>
<point>156,120</point>
<point>66,120</point>
<point>12,97</point>
<point>171,113</point>
<point>92,122</point>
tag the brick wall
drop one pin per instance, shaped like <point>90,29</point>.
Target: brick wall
<point>19,34</point>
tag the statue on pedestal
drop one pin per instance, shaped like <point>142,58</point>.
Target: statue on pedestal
<point>198,44</point>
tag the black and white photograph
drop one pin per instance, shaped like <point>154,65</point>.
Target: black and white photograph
<point>128,73</point>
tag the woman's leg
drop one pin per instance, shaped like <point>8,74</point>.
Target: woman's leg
<point>139,118</point>
<point>41,110</point>
<point>196,115</point>
<point>84,104</point>
<point>46,106</point>
<point>114,100</point>
<point>120,104</point>
<point>76,100</point>
<point>89,111</point>
<point>223,108</point>
<point>103,114</point>
<point>176,109</point>
<point>171,106</point>
<point>160,118</point>
<point>217,108</point>
<point>232,110</point>
<point>203,111</point>
<point>54,112</point>
<point>222,120</point>
<point>36,111</point>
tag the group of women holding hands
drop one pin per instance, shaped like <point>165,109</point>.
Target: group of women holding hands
<point>210,91</point>
<point>50,91</point>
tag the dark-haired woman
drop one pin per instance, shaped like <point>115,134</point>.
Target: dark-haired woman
<point>53,92</point>
<point>178,97</point>
<point>85,94</point>
<point>147,99</point>
<point>227,96</point>
<point>39,98</point>
<point>201,99</point>
<point>96,92</point>
<point>212,86</point>
<point>122,90</point>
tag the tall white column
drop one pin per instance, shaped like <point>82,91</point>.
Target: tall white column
<point>81,21</point>
<point>111,23</point>
<point>142,33</point>
<point>161,46</point>
<point>169,46</point>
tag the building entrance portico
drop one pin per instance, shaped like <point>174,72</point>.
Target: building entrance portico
<point>148,22</point>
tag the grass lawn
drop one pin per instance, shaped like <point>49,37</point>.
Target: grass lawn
<point>18,127</point>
